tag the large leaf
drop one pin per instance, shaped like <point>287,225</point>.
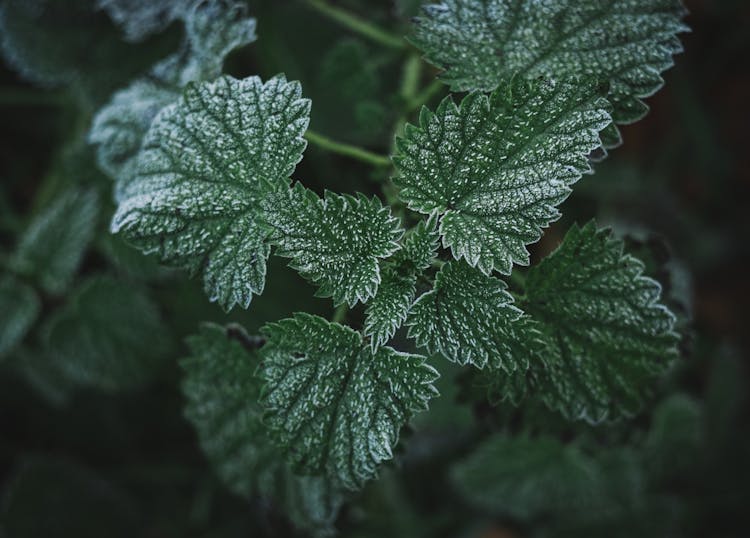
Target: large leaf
<point>19,308</point>
<point>335,241</point>
<point>51,248</point>
<point>109,336</point>
<point>208,161</point>
<point>628,43</point>
<point>222,395</point>
<point>332,402</point>
<point>497,166</point>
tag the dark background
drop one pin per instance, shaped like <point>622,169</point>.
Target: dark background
<point>129,464</point>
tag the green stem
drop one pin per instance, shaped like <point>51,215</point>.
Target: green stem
<point>340,313</point>
<point>357,25</point>
<point>354,152</point>
<point>424,96</point>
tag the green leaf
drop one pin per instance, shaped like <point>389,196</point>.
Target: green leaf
<point>497,166</point>
<point>141,18</point>
<point>19,309</point>
<point>51,248</point>
<point>335,405</point>
<point>524,478</point>
<point>222,395</point>
<point>470,318</point>
<point>109,336</point>
<point>213,29</point>
<point>335,241</point>
<point>207,163</point>
<point>612,335</point>
<point>387,310</point>
<point>480,43</point>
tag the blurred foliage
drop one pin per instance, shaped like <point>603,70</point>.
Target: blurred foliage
<point>76,461</point>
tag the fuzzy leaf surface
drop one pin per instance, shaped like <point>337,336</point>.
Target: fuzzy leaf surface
<point>51,248</point>
<point>496,167</point>
<point>222,395</point>
<point>207,163</point>
<point>141,18</point>
<point>613,337</point>
<point>628,43</point>
<point>332,402</point>
<point>335,241</point>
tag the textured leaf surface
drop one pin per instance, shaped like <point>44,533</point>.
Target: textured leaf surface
<point>470,318</point>
<point>612,334</point>
<point>497,166</point>
<point>222,395</point>
<point>334,404</point>
<point>51,248</point>
<point>522,477</point>
<point>335,241</point>
<point>207,163</point>
<point>213,29</point>
<point>109,336</point>
<point>479,43</point>
<point>19,308</point>
<point>141,18</point>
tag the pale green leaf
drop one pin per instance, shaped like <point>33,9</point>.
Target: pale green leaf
<point>19,308</point>
<point>496,166</point>
<point>207,163</point>
<point>470,318</point>
<point>612,335</point>
<point>222,395</point>
<point>141,18</point>
<point>109,336</point>
<point>335,405</point>
<point>51,248</point>
<point>335,241</point>
<point>628,43</point>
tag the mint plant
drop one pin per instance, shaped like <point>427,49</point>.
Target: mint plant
<point>435,269</point>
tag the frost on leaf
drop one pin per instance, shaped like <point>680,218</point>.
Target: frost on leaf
<point>213,29</point>
<point>470,318</point>
<point>19,308</point>
<point>222,394</point>
<point>497,166</point>
<point>335,405</point>
<point>387,310</point>
<point>50,249</point>
<point>335,241</point>
<point>207,163</point>
<point>109,336</point>
<point>612,336</point>
<point>141,18</point>
<point>629,43</point>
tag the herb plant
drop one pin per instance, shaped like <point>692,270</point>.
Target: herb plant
<point>503,106</point>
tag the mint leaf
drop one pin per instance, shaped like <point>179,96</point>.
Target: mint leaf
<point>387,310</point>
<point>109,336</point>
<point>207,163</point>
<point>480,43</point>
<point>470,318</point>
<point>612,335</point>
<point>213,29</point>
<point>19,309</point>
<point>497,166</point>
<point>141,18</point>
<point>333,403</point>
<point>51,248</point>
<point>335,241</point>
<point>524,478</point>
<point>222,395</point>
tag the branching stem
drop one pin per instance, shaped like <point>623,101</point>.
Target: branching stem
<point>355,24</point>
<point>354,152</point>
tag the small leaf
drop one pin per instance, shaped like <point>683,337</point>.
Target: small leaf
<point>222,395</point>
<point>109,336</point>
<point>612,334</point>
<point>19,309</point>
<point>334,404</point>
<point>335,241</point>
<point>470,318</point>
<point>51,248</point>
<point>141,18</point>
<point>496,167</point>
<point>480,43</point>
<point>207,163</point>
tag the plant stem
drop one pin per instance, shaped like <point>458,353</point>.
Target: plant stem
<point>340,313</point>
<point>357,25</point>
<point>426,94</point>
<point>354,152</point>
